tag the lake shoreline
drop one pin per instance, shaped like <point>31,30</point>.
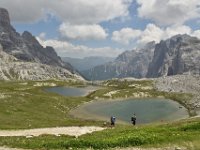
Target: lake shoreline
<point>70,90</point>
<point>90,89</point>
<point>81,113</point>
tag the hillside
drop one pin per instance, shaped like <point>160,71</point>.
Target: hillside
<point>24,105</point>
<point>28,60</point>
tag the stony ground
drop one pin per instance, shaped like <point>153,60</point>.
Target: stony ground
<point>183,84</point>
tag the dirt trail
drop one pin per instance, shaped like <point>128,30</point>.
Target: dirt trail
<point>72,131</point>
<point>7,148</point>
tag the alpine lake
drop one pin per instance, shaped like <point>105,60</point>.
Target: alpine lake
<point>147,110</point>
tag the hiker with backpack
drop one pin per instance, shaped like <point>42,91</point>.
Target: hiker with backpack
<point>112,120</point>
<point>133,119</point>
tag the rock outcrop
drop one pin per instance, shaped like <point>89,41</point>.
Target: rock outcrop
<point>12,68</point>
<point>28,56</point>
<point>4,17</point>
<point>128,64</point>
<point>177,55</point>
<point>182,84</point>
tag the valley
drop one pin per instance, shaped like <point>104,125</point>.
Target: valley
<point>26,105</point>
<point>49,100</point>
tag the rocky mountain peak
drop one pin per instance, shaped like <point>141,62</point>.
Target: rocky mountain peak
<point>150,45</point>
<point>4,17</point>
<point>128,64</point>
<point>125,56</point>
<point>29,38</point>
<point>51,50</point>
<point>27,50</point>
<point>179,54</point>
<point>129,55</point>
<point>180,37</point>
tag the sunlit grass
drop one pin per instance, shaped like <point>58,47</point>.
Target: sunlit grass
<point>25,105</point>
<point>121,136</point>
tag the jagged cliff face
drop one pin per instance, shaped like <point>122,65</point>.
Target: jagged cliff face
<point>12,68</point>
<point>25,46</point>
<point>28,56</point>
<point>177,55</point>
<point>128,64</point>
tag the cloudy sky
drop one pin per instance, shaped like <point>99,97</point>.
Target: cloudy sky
<point>80,28</point>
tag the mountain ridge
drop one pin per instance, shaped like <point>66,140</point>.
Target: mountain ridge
<point>179,54</point>
<point>28,51</point>
<point>86,63</point>
<point>128,64</point>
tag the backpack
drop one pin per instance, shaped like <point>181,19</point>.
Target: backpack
<point>133,118</point>
<point>112,119</point>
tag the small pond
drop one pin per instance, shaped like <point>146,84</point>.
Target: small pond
<point>146,110</point>
<point>72,91</point>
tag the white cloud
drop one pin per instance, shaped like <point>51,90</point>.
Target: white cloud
<point>174,30</point>
<point>80,18</point>
<point>152,33</point>
<point>196,33</point>
<point>42,36</point>
<point>155,33</point>
<point>83,32</point>
<point>169,12</point>
<point>71,11</point>
<point>64,48</point>
<point>125,35</point>
<point>23,10</point>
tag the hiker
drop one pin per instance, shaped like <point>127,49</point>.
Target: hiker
<point>133,119</point>
<point>112,120</point>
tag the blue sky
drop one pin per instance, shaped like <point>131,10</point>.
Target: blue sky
<point>84,28</point>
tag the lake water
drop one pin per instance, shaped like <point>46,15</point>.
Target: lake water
<point>146,110</point>
<point>72,91</point>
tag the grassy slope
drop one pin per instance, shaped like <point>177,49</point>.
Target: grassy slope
<point>182,134</point>
<point>31,107</point>
<point>27,106</point>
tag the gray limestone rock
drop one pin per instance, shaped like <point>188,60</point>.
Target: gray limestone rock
<point>177,55</point>
<point>12,68</point>
<point>27,51</point>
<point>128,64</point>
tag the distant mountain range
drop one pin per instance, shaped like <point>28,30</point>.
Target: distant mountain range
<point>87,62</point>
<point>23,58</point>
<point>28,60</point>
<point>128,64</point>
<point>179,54</point>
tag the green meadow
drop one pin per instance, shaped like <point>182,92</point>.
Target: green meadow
<point>26,105</point>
